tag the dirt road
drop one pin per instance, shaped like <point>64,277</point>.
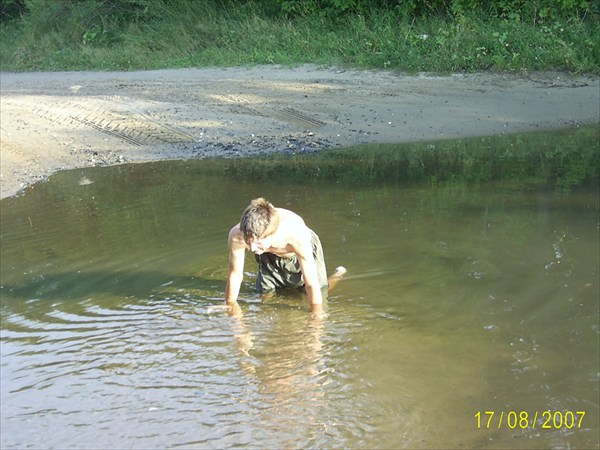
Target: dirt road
<point>56,121</point>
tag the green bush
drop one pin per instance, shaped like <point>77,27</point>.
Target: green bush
<point>99,13</point>
<point>408,35</point>
<point>534,10</point>
<point>11,9</point>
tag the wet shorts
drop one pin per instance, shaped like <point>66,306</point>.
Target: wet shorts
<point>275,272</point>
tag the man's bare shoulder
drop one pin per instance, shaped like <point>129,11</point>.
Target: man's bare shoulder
<point>292,228</point>
<point>290,218</point>
<point>236,237</point>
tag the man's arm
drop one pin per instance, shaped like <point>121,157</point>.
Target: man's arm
<point>310,273</point>
<point>237,253</point>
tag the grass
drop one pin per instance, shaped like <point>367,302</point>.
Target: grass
<point>559,159</point>
<point>197,35</point>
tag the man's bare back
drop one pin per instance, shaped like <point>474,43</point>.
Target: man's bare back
<point>284,242</point>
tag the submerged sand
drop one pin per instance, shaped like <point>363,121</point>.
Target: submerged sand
<point>65,120</point>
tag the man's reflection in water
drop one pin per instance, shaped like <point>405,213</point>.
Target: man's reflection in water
<point>280,348</point>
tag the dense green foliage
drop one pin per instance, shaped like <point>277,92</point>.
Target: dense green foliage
<point>514,9</point>
<point>409,35</point>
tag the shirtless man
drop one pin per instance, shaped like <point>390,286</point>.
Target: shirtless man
<point>287,251</point>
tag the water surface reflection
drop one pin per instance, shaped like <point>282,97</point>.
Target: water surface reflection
<point>470,289</point>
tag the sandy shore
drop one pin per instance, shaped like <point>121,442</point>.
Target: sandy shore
<point>55,121</point>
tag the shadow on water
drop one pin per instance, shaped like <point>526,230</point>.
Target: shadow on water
<point>472,287</point>
<point>86,284</point>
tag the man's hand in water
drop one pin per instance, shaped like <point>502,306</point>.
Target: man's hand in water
<point>317,308</point>
<point>233,309</point>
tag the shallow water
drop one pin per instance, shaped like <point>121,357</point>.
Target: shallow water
<point>461,297</point>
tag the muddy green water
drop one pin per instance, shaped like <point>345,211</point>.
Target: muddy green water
<point>471,287</point>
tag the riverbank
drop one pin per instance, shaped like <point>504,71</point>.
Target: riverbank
<point>55,121</point>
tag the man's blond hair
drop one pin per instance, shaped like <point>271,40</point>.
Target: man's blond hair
<point>259,220</point>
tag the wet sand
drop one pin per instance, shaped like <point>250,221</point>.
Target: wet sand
<point>65,120</point>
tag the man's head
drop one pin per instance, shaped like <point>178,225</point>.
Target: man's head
<point>259,221</point>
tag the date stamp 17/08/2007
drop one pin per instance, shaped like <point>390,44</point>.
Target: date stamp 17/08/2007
<point>549,420</point>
